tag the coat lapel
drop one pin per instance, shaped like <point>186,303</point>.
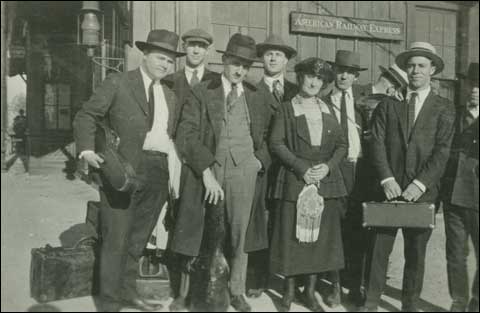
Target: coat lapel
<point>171,104</point>
<point>425,113</point>
<point>302,128</point>
<point>216,106</point>
<point>401,111</point>
<point>138,90</point>
<point>253,109</point>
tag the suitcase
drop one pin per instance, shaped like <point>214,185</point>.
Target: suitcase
<point>62,273</point>
<point>398,214</point>
<point>153,280</point>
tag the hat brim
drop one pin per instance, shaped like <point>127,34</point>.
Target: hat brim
<point>403,57</point>
<point>239,56</point>
<point>396,77</point>
<point>289,51</point>
<point>197,39</point>
<point>142,45</point>
<point>359,69</point>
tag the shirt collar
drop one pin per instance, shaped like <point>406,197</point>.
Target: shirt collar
<point>269,81</point>
<point>337,93</point>
<point>227,86</point>
<point>422,94</point>
<point>200,70</point>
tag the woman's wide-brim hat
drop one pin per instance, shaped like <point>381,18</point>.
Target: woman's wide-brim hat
<point>423,49</point>
<point>163,40</point>
<point>472,73</point>
<point>395,74</point>
<point>348,59</point>
<point>241,46</point>
<point>274,42</point>
<point>315,66</point>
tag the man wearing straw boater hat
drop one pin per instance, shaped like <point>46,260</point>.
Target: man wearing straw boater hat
<point>141,110</point>
<point>342,102</point>
<point>410,149</point>
<point>222,137</point>
<point>274,54</point>
<point>460,195</point>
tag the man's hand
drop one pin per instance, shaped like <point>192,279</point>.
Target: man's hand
<point>391,189</point>
<point>92,159</point>
<point>213,190</point>
<point>412,193</point>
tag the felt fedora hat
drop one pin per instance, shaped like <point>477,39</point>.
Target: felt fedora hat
<point>161,39</point>
<point>274,42</point>
<point>423,49</point>
<point>395,74</point>
<point>197,35</point>
<point>348,59</point>
<point>241,46</point>
<point>472,73</point>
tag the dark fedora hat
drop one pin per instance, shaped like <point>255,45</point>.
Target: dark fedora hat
<point>317,67</point>
<point>161,39</point>
<point>472,73</point>
<point>274,42</point>
<point>423,49</point>
<point>395,74</point>
<point>241,46</point>
<point>348,59</point>
<point>197,35</point>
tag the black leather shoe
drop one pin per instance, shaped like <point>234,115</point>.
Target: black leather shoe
<point>255,293</point>
<point>287,302</point>
<point>312,304</point>
<point>458,307</point>
<point>357,298</point>
<point>142,305</point>
<point>334,299</point>
<point>240,304</point>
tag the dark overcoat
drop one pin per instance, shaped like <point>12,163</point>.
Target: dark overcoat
<point>197,137</point>
<point>424,155</point>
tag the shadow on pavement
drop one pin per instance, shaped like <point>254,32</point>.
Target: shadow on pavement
<point>422,304</point>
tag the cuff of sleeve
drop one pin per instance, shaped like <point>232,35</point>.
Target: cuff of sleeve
<point>80,156</point>
<point>386,180</point>
<point>420,185</point>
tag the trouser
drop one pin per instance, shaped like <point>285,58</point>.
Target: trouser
<point>238,183</point>
<point>415,245</point>
<point>127,222</point>
<point>460,223</point>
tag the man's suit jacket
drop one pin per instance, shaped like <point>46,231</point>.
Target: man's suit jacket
<point>424,155</point>
<point>290,90</point>
<point>197,138</point>
<point>178,82</point>
<point>122,103</point>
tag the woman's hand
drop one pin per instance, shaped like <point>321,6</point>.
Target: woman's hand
<point>316,173</point>
<point>321,170</point>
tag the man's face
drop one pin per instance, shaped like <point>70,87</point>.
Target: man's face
<point>235,69</point>
<point>345,77</point>
<point>196,52</point>
<point>419,70</point>
<point>158,64</point>
<point>274,62</point>
<point>473,96</point>
<point>311,85</point>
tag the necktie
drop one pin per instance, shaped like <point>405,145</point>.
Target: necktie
<point>278,91</point>
<point>343,115</point>
<point>151,105</point>
<point>194,80</point>
<point>232,96</point>
<point>411,113</point>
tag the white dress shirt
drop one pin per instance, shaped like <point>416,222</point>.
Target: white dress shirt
<point>227,87</point>
<point>189,72</point>
<point>355,147</point>
<point>270,80</point>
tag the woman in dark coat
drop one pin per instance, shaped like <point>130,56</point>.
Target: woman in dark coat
<point>309,143</point>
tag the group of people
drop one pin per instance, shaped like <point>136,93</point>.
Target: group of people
<point>288,164</point>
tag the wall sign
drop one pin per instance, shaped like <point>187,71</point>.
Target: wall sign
<point>345,26</point>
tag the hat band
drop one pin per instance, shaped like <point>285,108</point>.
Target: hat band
<point>162,45</point>
<point>423,50</point>
<point>241,51</point>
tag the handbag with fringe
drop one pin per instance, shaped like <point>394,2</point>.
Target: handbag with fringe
<point>310,206</point>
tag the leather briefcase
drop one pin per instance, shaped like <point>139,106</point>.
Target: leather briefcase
<point>153,280</point>
<point>398,214</point>
<point>119,173</point>
<point>62,273</point>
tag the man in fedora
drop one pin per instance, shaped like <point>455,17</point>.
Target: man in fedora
<point>460,198</point>
<point>196,43</point>
<point>410,149</point>
<point>275,55</point>
<point>342,102</point>
<point>141,110</point>
<point>221,136</point>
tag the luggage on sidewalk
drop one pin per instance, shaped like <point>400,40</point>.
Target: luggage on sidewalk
<point>398,214</point>
<point>153,280</point>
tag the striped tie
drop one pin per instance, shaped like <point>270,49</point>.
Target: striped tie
<point>411,113</point>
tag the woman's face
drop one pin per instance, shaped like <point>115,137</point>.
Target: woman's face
<point>311,85</point>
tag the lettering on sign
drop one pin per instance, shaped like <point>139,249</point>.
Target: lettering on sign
<point>345,26</point>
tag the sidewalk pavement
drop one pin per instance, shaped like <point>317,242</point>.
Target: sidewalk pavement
<point>36,209</point>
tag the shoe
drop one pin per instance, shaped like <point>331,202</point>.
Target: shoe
<point>142,305</point>
<point>357,298</point>
<point>240,304</point>
<point>287,302</point>
<point>311,303</point>
<point>255,293</point>
<point>334,299</point>
<point>178,304</point>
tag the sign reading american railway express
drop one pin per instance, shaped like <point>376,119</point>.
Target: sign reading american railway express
<point>345,26</point>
